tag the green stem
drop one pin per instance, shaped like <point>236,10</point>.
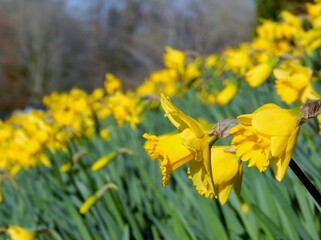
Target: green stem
<point>314,192</point>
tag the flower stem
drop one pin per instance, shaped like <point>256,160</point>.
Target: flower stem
<point>314,192</point>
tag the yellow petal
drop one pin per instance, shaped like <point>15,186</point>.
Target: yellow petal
<point>179,119</point>
<point>189,140</point>
<point>281,164</point>
<point>267,106</point>
<point>278,145</point>
<point>224,192</point>
<point>226,169</point>
<point>245,118</point>
<point>200,179</point>
<point>259,74</point>
<point>279,73</point>
<point>275,122</point>
<point>224,164</point>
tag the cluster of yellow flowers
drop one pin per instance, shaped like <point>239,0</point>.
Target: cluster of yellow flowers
<point>269,133</point>
<point>181,72</point>
<point>282,52</point>
<point>25,136</point>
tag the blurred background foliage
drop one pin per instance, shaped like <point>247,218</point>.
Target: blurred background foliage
<point>54,45</point>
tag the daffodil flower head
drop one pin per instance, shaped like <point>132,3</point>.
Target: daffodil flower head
<point>174,59</point>
<point>194,135</point>
<point>190,145</point>
<point>269,132</point>
<point>293,83</point>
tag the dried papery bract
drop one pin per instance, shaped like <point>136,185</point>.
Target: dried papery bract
<point>310,109</point>
<point>222,129</point>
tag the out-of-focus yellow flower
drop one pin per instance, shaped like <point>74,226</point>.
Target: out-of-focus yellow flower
<point>275,38</point>
<point>266,30</point>
<point>269,132</point>
<point>112,84</point>
<point>71,112</point>
<point>163,81</point>
<point>291,19</point>
<point>314,13</point>
<point>290,28</point>
<point>206,97</point>
<point>293,83</point>
<point>228,93</point>
<point>105,134</point>
<point>258,74</point>
<point>192,73</point>
<point>103,161</point>
<point>311,40</point>
<point>23,138</point>
<point>126,107</point>
<point>174,59</point>
<point>191,144</point>
<point>19,233</point>
<point>211,61</point>
<point>65,167</point>
<point>97,94</point>
<point>227,171</point>
<point>239,60</point>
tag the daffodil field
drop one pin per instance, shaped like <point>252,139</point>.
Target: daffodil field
<point>209,147</point>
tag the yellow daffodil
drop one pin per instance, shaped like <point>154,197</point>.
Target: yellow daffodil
<point>227,171</point>
<point>238,60</point>
<point>311,40</point>
<point>174,59</point>
<point>290,28</point>
<point>211,61</point>
<point>314,12</point>
<point>259,74</point>
<point>125,107</point>
<point>191,144</point>
<point>228,93</point>
<point>19,233</point>
<point>293,83</point>
<point>192,73</point>
<point>269,132</point>
<point>112,84</point>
